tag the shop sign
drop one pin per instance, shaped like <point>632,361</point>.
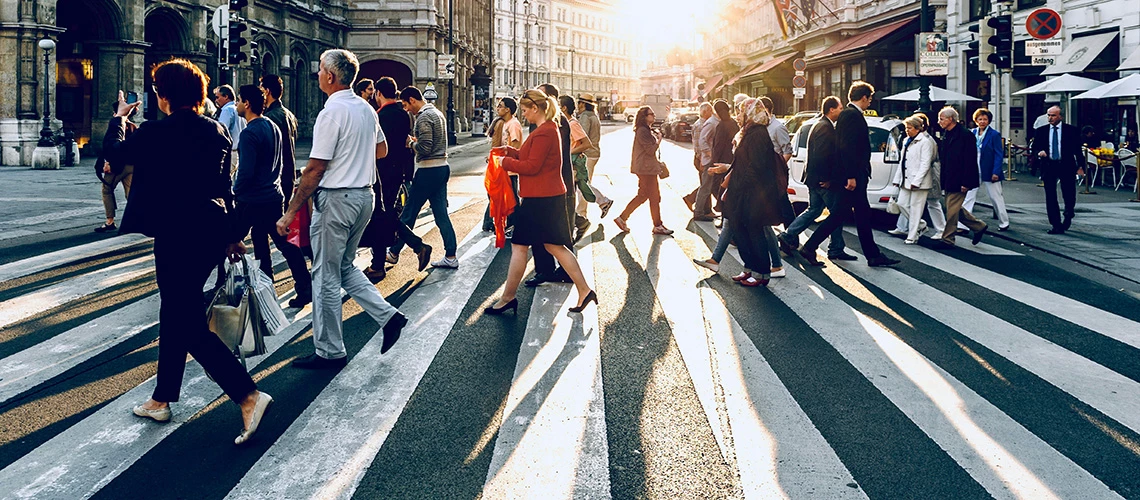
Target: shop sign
<point>933,54</point>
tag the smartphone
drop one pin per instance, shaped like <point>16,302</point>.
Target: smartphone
<point>132,97</point>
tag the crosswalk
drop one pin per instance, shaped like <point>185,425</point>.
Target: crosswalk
<point>954,375</point>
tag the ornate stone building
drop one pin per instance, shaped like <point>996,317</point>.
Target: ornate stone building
<point>107,45</point>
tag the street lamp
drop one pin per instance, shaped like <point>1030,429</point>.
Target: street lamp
<point>452,139</point>
<point>926,24</point>
<point>526,73</point>
<point>572,52</point>
<point>46,140</point>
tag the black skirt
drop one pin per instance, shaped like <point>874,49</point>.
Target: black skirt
<point>542,220</point>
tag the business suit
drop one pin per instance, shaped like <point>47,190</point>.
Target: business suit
<point>1058,166</point>
<point>822,156</point>
<point>182,197</point>
<point>853,161</point>
<point>958,153</point>
<point>990,156</point>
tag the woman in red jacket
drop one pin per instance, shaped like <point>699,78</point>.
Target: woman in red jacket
<point>540,218</point>
<point>647,168</point>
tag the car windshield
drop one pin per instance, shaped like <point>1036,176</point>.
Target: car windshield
<point>893,142</point>
<point>803,135</point>
<point>690,118</point>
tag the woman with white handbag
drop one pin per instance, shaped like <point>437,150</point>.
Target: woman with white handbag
<point>914,176</point>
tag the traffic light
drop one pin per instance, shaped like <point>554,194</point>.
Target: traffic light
<point>1001,41</point>
<point>982,46</point>
<point>236,56</point>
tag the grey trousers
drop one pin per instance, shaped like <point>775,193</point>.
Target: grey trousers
<point>339,219</point>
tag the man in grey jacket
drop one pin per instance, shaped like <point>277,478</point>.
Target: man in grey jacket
<point>590,123</point>
<point>429,184</point>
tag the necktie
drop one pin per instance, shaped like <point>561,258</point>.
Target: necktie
<point>1055,151</point>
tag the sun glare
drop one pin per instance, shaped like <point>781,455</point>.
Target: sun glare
<point>659,25</point>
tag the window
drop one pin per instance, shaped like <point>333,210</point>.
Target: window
<point>499,26</point>
<point>1025,4</point>
<point>542,33</point>
<point>979,9</point>
<point>542,11</point>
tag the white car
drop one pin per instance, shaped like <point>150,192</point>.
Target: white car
<point>629,113</point>
<point>885,135</point>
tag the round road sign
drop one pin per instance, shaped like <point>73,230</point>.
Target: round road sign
<point>799,64</point>
<point>799,82</point>
<point>1043,24</point>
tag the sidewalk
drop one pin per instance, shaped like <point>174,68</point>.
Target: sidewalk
<point>41,202</point>
<point>1105,234</point>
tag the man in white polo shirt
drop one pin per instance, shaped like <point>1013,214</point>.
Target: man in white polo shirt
<point>347,140</point>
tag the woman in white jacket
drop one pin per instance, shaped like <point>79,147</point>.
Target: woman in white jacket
<point>915,175</point>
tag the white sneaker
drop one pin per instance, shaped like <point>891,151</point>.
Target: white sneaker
<point>780,273</point>
<point>711,266</point>
<point>896,232</point>
<point>391,258</point>
<point>446,263</point>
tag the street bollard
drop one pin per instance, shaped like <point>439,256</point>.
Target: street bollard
<point>70,149</point>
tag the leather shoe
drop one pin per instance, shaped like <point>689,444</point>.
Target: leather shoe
<point>259,409</point>
<point>159,415</point>
<point>882,261</point>
<point>375,275</point>
<point>300,301</point>
<point>842,256</point>
<point>978,235</point>
<point>809,256</point>
<point>560,276</point>
<point>424,256</point>
<point>1068,222</point>
<point>786,247</point>
<point>690,200</point>
<point>538,279</point>
<point>704,218</point>
<point>1056,230</point>
<point>315,362</point>
<point>392,331</point>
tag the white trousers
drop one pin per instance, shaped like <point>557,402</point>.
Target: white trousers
<point>934,206</point>
<point>994,191</point>
<point>912,202</point>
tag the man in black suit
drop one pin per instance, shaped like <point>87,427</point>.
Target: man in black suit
<point>819,175</point>
<point>1057,147</point>
<point>852,172</point>
<point>958,155</point>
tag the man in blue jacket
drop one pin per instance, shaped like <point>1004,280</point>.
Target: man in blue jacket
<point>990,155</point>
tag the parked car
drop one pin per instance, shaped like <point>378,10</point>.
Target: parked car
<point>679,126</point>
<point>661,105</point>
<point>629,113</point>
<point>885,134</point>
<point>793,122</point>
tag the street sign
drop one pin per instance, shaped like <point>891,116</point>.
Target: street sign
<point>1043,60</point>
<point>799,81</point>
<point>430,93</point>
<point>221,20</point>
<point>799,92</point>
<point>1044,47</point>
<point>1043,24</point>
<point>799,64</point>
<point>801,73</point>
<point>932,54</point>
<point>446,69</point>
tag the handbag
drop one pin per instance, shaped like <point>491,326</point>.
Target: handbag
<point>893,206</point>
<point>235,317</point>
<point>299,228</point>
<point>663,170</point>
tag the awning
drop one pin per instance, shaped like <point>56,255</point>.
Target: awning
<point>768,66</point>
<point>1063,83</point>
<point>861,41</point>
<point>1079,53</point>
<point>742,73</point>
<point>1133,61</point>
<point>1128,86</point>
<point>711,84</point>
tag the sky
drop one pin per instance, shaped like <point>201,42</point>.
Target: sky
<point>662,24</point>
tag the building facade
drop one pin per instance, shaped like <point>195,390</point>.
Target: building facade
<point>103,46</point>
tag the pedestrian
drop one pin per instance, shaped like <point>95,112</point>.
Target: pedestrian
<point>782,146</point>
<point>365,88</point>
<point>428,141</point>
<point>737,101</point>
<point>647,168</point>
<point>721,151</point>
<point>258,194</point>
<point>934,199</point>
<point>958,153</point>
<point>391,171</point>
<point>588,118</point>
<point>819,174</point>
<point>1130,141</point>
<point>990,156</point>
<point>347,140</point>
<point>579,144</point>
<point>182,174</point>
<point>545,270</point>
<point>541,218</point>
<point>110,180</point>
<point>854,165</point>
<point>705,124</point>
<point>753,200</point>
<point>1057,148</point>
<point>286,121</point>
<point>228,116</point>
<point>507,133</point>
<point>914,176</point>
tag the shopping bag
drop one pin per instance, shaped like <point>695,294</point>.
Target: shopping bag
<point>234,317</point>
<point>299,228</point>
<point>269,312</point>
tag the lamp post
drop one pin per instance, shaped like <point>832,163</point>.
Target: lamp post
<point>46,140</point>
<point>526,67</point>
<point>572,52</point>
<point>46,156</point>
<point>452,139</point>
<point>514,45</point>
<point>926,24</point>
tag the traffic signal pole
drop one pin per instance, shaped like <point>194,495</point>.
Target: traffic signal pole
<point>926,24</point>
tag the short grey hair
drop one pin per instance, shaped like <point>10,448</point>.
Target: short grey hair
<point>739,98</point>
<point>949,112</point>
<point>343,65</point>
<point>707,105</point>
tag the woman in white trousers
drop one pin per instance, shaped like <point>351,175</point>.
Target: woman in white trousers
<point>914,176</point>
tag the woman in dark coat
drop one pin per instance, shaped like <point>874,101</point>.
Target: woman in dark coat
<point>753,200</point>
<point>180,197</point>
<point>647,167</point>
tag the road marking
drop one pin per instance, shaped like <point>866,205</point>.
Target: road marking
<point>552,439</point>
<point>326,451</point>
<point>66,256</point>
<point>18,233</point>
<point>50,200</point>
<point>1008,460</point>
<point>31,304</point>
<point>53,216</point>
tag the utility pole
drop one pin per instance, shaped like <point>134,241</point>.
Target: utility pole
<point>572,52</point>
<point>926,24</point>
<point>514,45</point>
<point>452,139</point>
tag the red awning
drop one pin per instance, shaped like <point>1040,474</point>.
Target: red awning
<point>742,73</point>
<point>711,84</point>
<point>768,66</point>
<point>861,41</point>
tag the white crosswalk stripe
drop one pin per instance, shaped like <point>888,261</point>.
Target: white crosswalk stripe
<point>556,436</point>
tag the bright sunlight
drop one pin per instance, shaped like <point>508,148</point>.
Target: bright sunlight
<point>663,24</point>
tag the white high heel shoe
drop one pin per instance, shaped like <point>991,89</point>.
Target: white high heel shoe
<point>259,408</point>
<point>159,415</point>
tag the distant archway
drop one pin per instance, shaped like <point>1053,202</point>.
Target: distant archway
<point>77,99</point>
<point>167,32</point>
<point>386,67</point>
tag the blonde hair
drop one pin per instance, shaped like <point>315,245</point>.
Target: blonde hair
<point>538,99</point>
<point>917,122</point>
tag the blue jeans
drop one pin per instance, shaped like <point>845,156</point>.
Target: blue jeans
<point>817,199</point>
<point>429,186</point>
<point>722,241</point>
